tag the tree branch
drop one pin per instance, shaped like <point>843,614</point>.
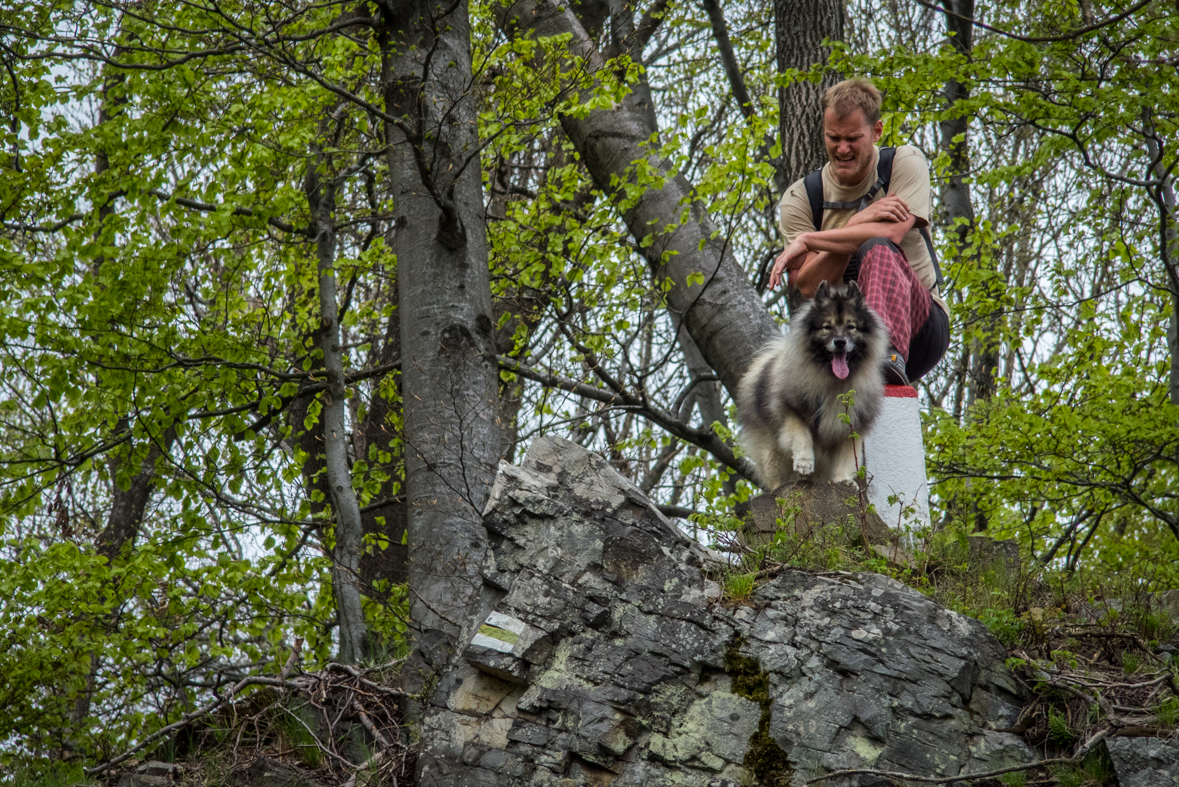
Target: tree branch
<point>650,22</point>
<point>720,31</point>
<point>705,439</point>
<point>1080,31</point>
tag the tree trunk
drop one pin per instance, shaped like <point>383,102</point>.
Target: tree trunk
<point>1164,199</point>
<point>724,315</point>
<point>955,197</point>
<point>449,374</point>
<point>799,29</point>
<point>1168,250</point>
<point>349,533</point>
<point>388,519</point>
<point>129,505</point>
<point>957,208</point>
<point>982,361</point>
<point>706,395</point>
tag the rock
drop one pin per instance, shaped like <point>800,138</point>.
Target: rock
<point>895,556</point>
<point>990,554</point>
<point>157,768</point>
<point>1144,762</point>
<point>1168,602</point>
<point>805,507</point>
<point>142,780</point>
<point>603,660</point>
<point>266,772</point>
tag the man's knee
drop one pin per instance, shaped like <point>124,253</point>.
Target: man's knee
<point>877,242</point>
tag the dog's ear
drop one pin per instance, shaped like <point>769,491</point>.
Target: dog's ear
<point>854,292</point>
<point>823,292</point>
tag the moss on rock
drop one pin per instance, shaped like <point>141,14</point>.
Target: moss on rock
<point>765,760</point>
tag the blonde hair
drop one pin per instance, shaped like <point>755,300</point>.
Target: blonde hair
<point>852,94</point>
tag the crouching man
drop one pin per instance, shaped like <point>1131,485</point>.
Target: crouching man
<point>864,217</point>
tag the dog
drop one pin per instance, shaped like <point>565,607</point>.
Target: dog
<point>788,403</point>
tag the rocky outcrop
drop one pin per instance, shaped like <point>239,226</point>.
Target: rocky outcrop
<point>607,659</point>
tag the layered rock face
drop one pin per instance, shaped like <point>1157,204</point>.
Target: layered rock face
<point>606,659</point>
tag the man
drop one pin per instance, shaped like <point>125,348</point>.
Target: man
<point>879,247</point>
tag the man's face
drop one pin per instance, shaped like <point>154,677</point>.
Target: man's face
<point>849,142</point>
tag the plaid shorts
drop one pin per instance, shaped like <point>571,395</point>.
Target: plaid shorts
<point>892,290</point>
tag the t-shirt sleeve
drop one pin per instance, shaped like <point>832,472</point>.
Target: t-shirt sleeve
<point>910,182</point>
<point>794,213</point>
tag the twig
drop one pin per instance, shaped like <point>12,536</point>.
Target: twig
<point>1040,39</point>
<point>292,659</point>
<point>367,721</point>
<point>942,779</point>
<point>374,760</point>
<point>355,673</point>
<point>318,743</point>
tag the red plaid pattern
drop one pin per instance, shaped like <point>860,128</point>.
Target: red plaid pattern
<point>894,292</point>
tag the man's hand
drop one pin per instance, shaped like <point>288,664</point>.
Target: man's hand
<point>789,261</point>
<point>891,208</point>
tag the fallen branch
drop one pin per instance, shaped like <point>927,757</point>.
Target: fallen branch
<point>308,683</point>
<point>943,779</point>
<point>189,718</point>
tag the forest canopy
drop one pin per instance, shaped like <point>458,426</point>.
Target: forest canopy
<point>282,282</point>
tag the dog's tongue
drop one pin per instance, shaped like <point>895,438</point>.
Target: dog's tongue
<point>839,365</point>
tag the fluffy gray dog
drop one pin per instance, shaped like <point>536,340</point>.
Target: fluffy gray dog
<point>789,400</point>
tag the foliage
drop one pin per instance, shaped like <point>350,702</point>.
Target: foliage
<point>1066,277</point>
<point>739,587</point>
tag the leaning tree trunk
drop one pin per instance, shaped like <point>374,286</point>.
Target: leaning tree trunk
<point>449,374</point>
<point>800,26</point>
<point>724,315</point>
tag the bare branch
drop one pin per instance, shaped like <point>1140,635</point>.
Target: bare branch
<point>1080,31</point>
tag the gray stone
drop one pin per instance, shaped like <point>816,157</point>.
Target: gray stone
<point>1145,762</point>
<point>802,507</point>
<point>990,554</point>
<point>603,660</point>
<point>895,555</point>
<point>265,772</point>
<point>142,780</point>
<point>157,768</point>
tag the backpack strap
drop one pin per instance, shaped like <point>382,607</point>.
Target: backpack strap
<point>814,193</point>
<point>883,177</point>
<point>937,269</point>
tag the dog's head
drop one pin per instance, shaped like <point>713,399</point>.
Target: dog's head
<point>840,327</point>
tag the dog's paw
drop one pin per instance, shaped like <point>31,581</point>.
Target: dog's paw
<point>804,465</point>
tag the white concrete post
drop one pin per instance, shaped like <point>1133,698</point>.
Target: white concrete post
<point>894,456</point>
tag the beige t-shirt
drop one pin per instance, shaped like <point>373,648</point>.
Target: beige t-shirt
<point>910,182</point>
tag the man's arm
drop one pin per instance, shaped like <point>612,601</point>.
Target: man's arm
<point>828,265</point>
<point>815,257</point>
